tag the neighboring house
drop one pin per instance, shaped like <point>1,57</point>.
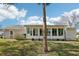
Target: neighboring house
<point>54,32</point>
<point>14,31</point>
<point>1,33</point>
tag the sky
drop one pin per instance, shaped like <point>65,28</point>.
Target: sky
<point>31,13</point>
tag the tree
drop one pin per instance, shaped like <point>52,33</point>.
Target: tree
<point>45,29</point>
<point>45,45</point>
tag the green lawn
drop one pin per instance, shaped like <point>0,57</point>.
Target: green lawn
<point>35,48</point>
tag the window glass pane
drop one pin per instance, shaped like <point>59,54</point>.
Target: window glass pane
<point>41,32</point>
<point>11,32</point>
<point>54,32</point>
<point>60,32</point>
<point>29,31</point>
<point>49,32</point>
<point>35,32</point>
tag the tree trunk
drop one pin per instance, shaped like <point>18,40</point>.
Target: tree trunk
<point>44,29</point>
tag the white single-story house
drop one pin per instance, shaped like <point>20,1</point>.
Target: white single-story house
<point>54,32</point>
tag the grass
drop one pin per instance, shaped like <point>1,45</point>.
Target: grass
<point>7,40</point>
<point>64,48</point>
<point>35,48</point>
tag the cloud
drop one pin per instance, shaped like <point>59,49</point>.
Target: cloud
<point>11,12</point>
<point>72,17</point>
<point>67,18</point>
<point>22,22</point>
<point>2,18</point>
<point>34,20</point>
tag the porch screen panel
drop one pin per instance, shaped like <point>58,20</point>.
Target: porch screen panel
<point>41,32</point>
<point>49,32</point>
<point>60,32</point>
<point>54,32</point>
<point>35,31</point>
<point>29,31</point>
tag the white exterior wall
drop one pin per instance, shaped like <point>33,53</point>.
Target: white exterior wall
<point>48,37</point>
<point>16,31</point>
<point>6,34</point>
<point>41,37</point>
<point>70,34</point>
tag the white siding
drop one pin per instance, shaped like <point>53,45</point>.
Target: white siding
<point>41,37</point>
<point>70,34</point>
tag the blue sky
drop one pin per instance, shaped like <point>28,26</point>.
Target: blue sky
<point>53,10</point>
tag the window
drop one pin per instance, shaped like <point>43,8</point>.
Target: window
<point>54,32</point>
<point>24,35</point>
<point>48,32</point>
<point>41,32</point>
<point>60,32</point>
<point>35,32</point>
<point>11,32</point>
<point>29,31</point>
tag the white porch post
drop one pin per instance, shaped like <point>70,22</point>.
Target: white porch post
<point>57,32</point>
<point>32,31</point>
<point>26,32</point>
<point>51,33</point>
<point>38,32</point>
